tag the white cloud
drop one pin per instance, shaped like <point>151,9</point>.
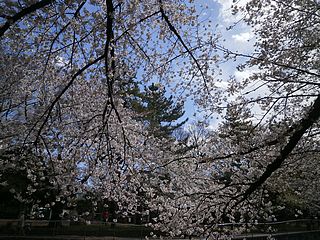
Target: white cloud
<point>236,34</point>
<point>242,75</point>
<point>242,37</point>
<point>226,10</point>
<point>60,61</point>
<point>223,85</point>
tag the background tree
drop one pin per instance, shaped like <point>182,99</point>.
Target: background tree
<point>157,111</point>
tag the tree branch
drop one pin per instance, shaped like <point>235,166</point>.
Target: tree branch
<point>302,127</point>
<point>260,59</point>
<point>173,29</point>
<point>23,13</point>
<point>48,111</point>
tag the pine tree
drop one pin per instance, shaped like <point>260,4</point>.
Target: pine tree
<point>157,111</point>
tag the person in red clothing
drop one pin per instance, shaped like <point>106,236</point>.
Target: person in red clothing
<point>105,216</point>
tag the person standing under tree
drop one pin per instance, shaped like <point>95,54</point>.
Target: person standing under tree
<point>105,216</point>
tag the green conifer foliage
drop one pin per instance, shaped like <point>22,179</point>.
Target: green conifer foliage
<point>158,111</point>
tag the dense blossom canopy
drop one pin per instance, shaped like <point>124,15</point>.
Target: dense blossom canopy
<point>64,121</point>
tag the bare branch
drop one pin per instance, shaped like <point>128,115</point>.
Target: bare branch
<point>173,29</point>
<point>24,12</point>
<point>227,51</point>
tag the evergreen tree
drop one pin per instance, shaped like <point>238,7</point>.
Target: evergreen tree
<point>157,111</point>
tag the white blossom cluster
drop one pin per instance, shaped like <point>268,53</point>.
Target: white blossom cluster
<point>65,128</point>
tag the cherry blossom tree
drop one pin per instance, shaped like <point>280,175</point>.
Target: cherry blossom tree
<point>64,64</point>
<point>287,56</point>
<point>269,140</point>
